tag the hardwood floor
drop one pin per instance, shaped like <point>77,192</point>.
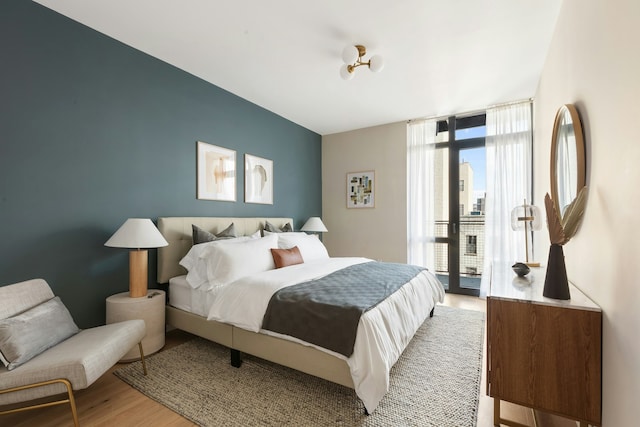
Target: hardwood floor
<point>111,402</point>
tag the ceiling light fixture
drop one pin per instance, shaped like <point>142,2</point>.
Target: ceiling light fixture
<point>352,57</point>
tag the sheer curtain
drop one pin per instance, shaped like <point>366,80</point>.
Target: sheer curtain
<point>509,158</point>
<point>420,189</point>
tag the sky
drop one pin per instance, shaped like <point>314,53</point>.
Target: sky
<point>476,157</point>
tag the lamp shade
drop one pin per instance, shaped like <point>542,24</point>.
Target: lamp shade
<point>526,216</point>
<point>137,233</point>
<point>314,225</point>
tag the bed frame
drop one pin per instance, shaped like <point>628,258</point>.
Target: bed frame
<point>177,231</point>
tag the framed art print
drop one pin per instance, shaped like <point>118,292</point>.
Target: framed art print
<point>216,173</point>
<point>258,180</point>
<point>361,189</point>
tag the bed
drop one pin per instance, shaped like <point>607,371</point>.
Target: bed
<point>366,370</point>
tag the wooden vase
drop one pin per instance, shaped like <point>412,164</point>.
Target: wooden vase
<point>556,284</point>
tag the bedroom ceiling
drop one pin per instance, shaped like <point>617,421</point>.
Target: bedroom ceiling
<point>441,57</point>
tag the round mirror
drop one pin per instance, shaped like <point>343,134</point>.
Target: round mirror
<point>567,157</point>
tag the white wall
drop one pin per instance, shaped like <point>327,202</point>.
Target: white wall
<point>381,232</point>
<point>593,62</point>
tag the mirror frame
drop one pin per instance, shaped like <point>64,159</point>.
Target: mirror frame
<point>580,151</point>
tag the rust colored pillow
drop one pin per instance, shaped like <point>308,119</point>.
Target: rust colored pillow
<point>285,257</point>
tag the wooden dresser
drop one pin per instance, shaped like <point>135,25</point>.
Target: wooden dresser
<point>543,353</point>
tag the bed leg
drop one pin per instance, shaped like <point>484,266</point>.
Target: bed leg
<point>432,310</point>
<point>236,359</point>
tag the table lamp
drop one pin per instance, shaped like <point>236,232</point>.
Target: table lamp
<point>526,217</point>
<point>314,225</point>
<point>138,234</point>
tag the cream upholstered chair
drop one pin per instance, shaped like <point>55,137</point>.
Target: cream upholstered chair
<point>72,364</point>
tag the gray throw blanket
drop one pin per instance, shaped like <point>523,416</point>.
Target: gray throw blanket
<point>326,311</point>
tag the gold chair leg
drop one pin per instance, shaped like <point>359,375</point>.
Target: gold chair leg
<point>70,400</point>
<point>72,403</point>
<point>144,365</point>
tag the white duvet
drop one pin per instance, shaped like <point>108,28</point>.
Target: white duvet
<point>383,332</point>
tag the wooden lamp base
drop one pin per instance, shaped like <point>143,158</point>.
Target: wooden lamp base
<point>138,264</point>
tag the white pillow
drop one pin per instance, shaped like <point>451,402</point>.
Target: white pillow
<point>311,248</point>
<point>196,266</point>
<point>227,263</point>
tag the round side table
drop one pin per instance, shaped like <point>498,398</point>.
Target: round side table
<point>150,309</point>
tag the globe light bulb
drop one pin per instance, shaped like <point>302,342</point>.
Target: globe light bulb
<point>344,72</point>
<point>350,54</point>
<point>376,63</point>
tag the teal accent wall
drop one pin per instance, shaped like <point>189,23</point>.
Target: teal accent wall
<point>93,132</point>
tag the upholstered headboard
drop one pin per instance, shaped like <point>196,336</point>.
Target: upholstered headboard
<point>178,232</point>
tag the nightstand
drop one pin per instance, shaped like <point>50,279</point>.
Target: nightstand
<point>150,309</point>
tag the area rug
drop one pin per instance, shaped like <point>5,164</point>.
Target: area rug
<point>435,382</point>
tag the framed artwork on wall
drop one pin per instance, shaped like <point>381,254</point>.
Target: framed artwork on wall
<point>258,180</point>
<point>361,189</point>
<point>216,174</point>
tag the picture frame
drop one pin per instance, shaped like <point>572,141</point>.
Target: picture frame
<point>216,173</point>
<point>258,180</point>
<point>361,190</point>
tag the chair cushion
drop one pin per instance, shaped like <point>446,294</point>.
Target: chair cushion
<point>81,359</point>
<point>16,298</point>
<point>24,336</point>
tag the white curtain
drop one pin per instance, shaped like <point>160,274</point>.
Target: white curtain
<point>508,151</point>
<point>420,189</point>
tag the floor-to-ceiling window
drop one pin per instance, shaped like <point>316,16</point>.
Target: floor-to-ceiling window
<point>465,174</point>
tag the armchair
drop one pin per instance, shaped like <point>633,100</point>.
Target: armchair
<point>72,364</point>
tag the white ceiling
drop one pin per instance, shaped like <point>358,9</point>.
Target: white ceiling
<point>441,56</point>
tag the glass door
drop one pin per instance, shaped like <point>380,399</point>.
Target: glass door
<point>459,195</point>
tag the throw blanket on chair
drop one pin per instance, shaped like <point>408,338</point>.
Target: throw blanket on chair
<point>326,311</point>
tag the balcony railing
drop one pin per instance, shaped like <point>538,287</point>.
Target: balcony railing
<point>471,245</point>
